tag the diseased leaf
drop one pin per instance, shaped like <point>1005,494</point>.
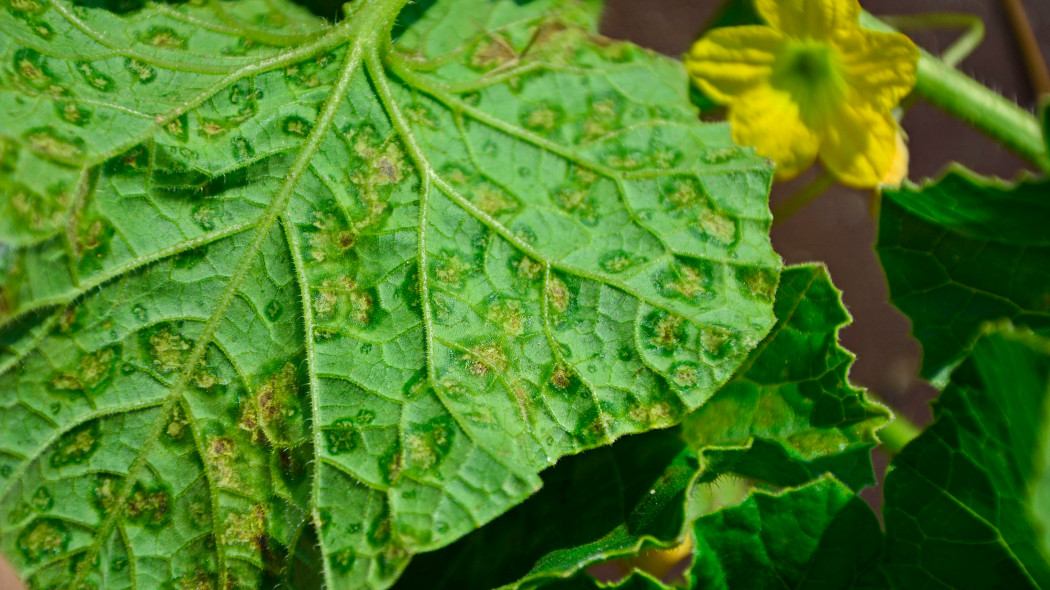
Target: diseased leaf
<point>789,417</point>
<point>818,536</point>
<point>791,414</point>
<point>271,284</point>
<point>968,502</point>
<point>601,504</point>
<point>964,250</point>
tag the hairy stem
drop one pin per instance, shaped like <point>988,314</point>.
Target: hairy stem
<point>373,19</point>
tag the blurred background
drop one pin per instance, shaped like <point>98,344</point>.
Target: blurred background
<point>839,229</point>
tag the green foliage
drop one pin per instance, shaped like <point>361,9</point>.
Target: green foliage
<point>790,414</point>
<point>279,296</point>
<point>786,419</point>
<point>962,251</point>
<point>817,536</point>
<point>605,503</point>
<point>968,502</point>
<point>290,304</point>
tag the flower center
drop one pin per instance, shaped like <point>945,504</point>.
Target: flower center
<point>811,73</point>
<point>812,63</point>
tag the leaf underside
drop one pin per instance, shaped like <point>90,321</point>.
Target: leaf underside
<point>277,298</point>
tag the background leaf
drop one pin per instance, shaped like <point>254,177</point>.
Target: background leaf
<point>967,504</point>
<point>601,504</point>
<point>275,285</point>
<point>961,251</point>
<point>791,415</point>
<point>817,536</point>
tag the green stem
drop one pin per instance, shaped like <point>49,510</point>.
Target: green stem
<point>898,433</point>
<point>805,195</point>
<point>373,19</point>
<point>962,47</point>
<point>987,111</point>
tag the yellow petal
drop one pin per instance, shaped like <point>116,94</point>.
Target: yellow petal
<point>899,168</point>
<point>879,66</point>
<point>813,19</point>
<point>769,119</point>
<point>730,61</point>
<point>859,144</point>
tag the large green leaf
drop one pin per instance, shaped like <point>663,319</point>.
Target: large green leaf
<point>818,536</point>
<point>791,413</point>
<point>271,284</point>
<point>967,503</point>
<point>964,250</point>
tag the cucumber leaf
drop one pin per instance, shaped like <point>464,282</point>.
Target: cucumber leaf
<point>964,250</point>
<point>602,504</point>
<point>967,503</point>
<point>275,291</point>
<point>789,417</point>
<point>791,414</point>
<point>817,536</point>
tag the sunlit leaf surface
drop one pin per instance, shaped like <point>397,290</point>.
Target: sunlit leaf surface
<point>789,417</point>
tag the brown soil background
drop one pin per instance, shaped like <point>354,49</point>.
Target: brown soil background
<point>838,229</point>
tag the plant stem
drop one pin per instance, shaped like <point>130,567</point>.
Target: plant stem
<point>805,195</point>
<point>898,433</point>
<point>987,111</point>
<point>984,109</point>
<point>372,19</point>
<point>1029,46</point>
<point>962,47</point>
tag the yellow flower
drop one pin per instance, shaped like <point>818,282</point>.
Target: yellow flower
<point>812,83</point>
